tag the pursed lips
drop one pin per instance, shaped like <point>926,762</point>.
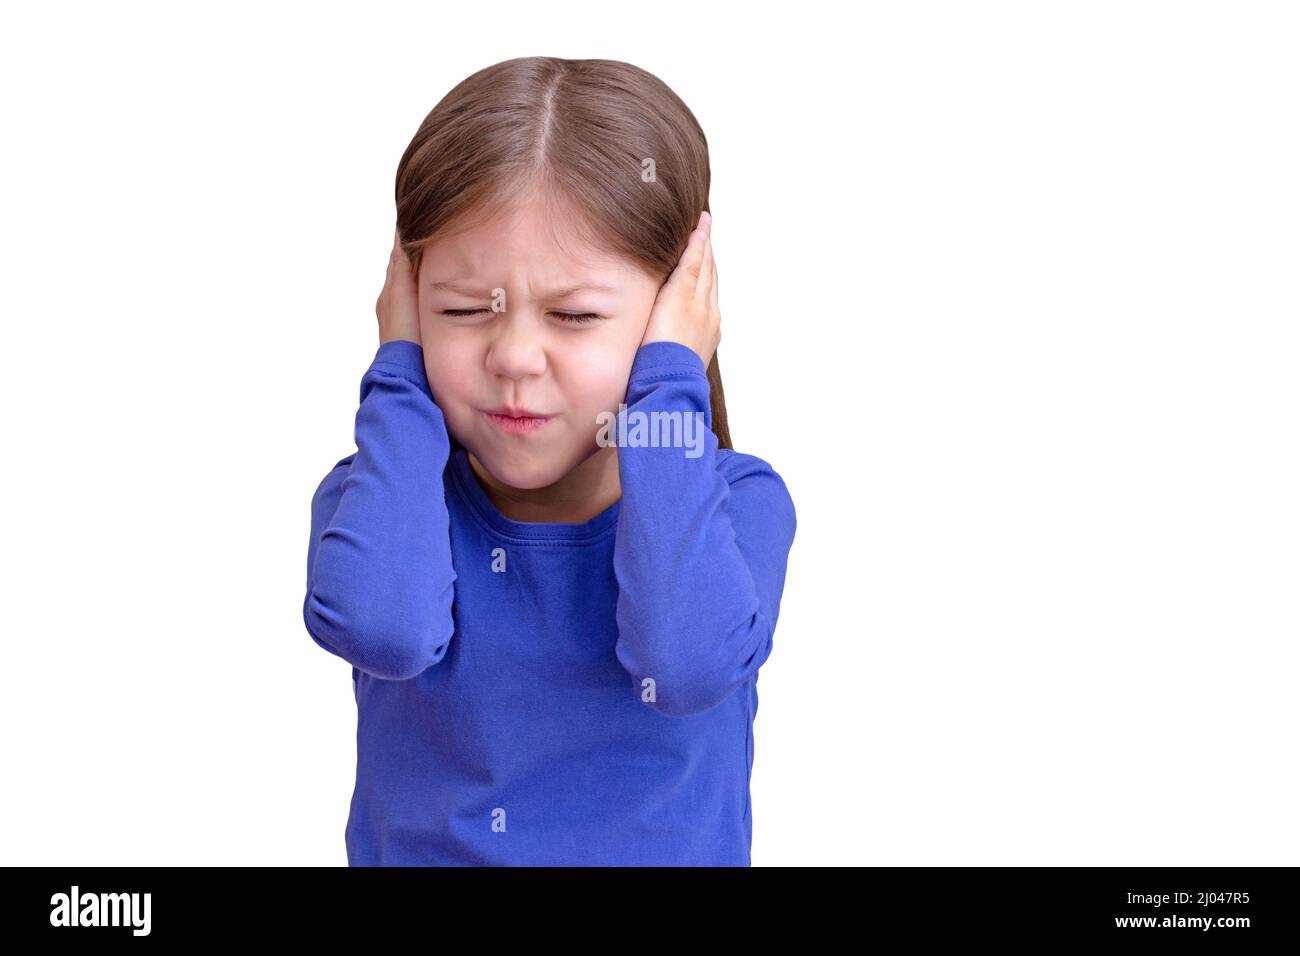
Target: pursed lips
<point>514,421</point>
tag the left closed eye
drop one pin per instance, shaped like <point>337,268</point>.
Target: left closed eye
<point>576,318</point>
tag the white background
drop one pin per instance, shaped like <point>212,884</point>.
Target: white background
<point>1009,298</point>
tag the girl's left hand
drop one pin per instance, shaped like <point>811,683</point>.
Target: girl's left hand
<point>686,309</point>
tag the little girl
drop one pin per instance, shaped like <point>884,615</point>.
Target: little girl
<point>554,579</point>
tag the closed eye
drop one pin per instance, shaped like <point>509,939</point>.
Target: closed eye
<point>576,318</point>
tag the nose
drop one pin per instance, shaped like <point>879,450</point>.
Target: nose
<point>516,350</point>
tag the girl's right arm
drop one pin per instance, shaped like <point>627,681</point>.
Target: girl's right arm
<point>380,582</point>
<point>379,570</point>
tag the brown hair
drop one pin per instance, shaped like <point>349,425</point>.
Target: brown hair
<point>575,133</point>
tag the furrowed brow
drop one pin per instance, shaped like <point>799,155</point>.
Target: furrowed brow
<point>574,290</point>
<point>453,285</point>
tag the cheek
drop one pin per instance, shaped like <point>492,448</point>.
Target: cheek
<point>449,355</point>
<point>599,395</point>
<point>448,374</point>
<point>598,385</point>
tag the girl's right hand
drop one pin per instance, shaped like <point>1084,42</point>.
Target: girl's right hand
<point>398,306</point>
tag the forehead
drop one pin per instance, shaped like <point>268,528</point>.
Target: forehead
<point>528,243</point>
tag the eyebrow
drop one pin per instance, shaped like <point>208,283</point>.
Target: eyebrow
<point>452,285</point>
<point>574,290</point>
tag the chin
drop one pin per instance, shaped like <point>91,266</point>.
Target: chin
<point>525,471</point>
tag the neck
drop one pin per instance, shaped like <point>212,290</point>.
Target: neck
<point>586,491</point>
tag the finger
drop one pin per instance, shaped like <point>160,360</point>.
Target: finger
<point>687,273</point>
<point>705,225</point>
<point>706,273</point>
<point>399,253</point>
<point>713,289</point>
<point>402,261</point>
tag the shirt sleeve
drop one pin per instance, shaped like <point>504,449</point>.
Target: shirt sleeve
<point>702,542</point>
<point>380,581</point>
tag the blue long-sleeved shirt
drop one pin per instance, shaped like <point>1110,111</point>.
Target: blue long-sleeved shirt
<point>547,694</point>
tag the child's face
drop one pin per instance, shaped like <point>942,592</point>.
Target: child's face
<point>528,356</point>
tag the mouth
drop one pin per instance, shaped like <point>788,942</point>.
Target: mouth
<point>520,423</point>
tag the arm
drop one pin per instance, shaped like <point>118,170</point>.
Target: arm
<point>700,556</point>
<point>380,582</point>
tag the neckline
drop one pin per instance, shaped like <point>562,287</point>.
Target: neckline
<point>472,493</point>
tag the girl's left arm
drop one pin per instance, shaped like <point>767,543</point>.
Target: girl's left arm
<point>701,548</point>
